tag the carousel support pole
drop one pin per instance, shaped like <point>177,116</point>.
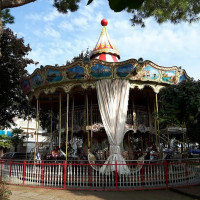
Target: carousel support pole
<point>85,112</point>
<point>158,132</point>
<point>183,137</point>
<point>155,126</point>
<point>51,129</point>
<point>149,114</point>
<point>72,119</point>
<point>36,130</point>
<point>27,134</point>
<point>91,115</point>
<point>168,138</point>
<point>59,140</point>
<point>38,122</point>
<point>134,114</point>
<point>134,126</point>
<point>87,120</point>
<point>67,125</point>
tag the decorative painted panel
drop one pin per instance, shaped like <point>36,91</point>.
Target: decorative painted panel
<point>182,78</point>
<point>37,80</point>
<point>26,87</point>
<point>75,72</point>
<point>150,73</point>
<point>100,71</point>
<point>169,76</point>
<point>53,76</point>
<point>125,70</point>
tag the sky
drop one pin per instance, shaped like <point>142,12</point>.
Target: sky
<point>56,38</point>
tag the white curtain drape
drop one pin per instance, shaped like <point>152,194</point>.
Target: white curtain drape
<point>113,98</point>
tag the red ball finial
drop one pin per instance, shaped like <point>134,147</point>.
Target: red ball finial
<point>104,22</point>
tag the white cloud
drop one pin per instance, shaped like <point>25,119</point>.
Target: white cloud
<point>51,32</point>
<point>67,26</point>
<point>33,16</point>
<point>80,22</point>
<point>52,15</point>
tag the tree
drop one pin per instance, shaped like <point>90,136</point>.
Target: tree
<point>180,106</point>
<point>162,11</point>
<point>16,139</point>
<point>4,143</point>
<point>12,67</point>
<point>6,17</point>
<point>82,56</point>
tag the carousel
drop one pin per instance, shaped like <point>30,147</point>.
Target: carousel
<point>103,106</point>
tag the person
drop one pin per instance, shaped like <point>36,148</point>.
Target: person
<point>38,156</point>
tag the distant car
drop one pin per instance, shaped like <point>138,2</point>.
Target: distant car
<point>194,151</point>
<point>15,156</point>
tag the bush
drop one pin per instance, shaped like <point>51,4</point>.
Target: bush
<point>4,191</point>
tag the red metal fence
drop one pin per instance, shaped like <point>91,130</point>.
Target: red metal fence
<point>84,176</point>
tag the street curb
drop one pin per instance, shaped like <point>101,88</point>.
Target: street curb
<point>185,193</point>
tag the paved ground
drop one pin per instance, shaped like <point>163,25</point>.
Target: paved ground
<point>193,191</point>
<point>27,193</point>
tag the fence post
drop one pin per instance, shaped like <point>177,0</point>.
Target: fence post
<point>24,171</point>
<point>186,173</point>
<point>42,175</point>
<point>142,176</point>
<point>10,171</point>
<point>116,180</point>
<point>166,173</point>
<point>90,175</point>
<point>65,173</point>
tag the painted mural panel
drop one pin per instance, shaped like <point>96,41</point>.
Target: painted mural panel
<point>75,72</point>
<point>150,73</point>
<point>26,86</point>
<point>182,78</point>
<point>53,76</point>
<point>125,70</point>
<point>37,80</point>
<point>169,76</point>
<point>100,71</point>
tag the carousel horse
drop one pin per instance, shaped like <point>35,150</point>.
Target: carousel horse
<point>75,144</point>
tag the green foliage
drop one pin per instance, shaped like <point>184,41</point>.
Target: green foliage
<point>6,17</point>
<point>174,11</point>
<point>64,6</point>
<point>5,193</point>
<point>162,11</point>
<point>16,139</point>
<point>119,5</point>
<point>13,62</point>
<point>4,142</point>
<point>180,105</point>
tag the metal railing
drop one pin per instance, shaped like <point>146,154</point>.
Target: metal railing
<point>82,175</point>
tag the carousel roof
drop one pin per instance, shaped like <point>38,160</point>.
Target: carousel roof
<point>104,49</point>
<point>102,65</point>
